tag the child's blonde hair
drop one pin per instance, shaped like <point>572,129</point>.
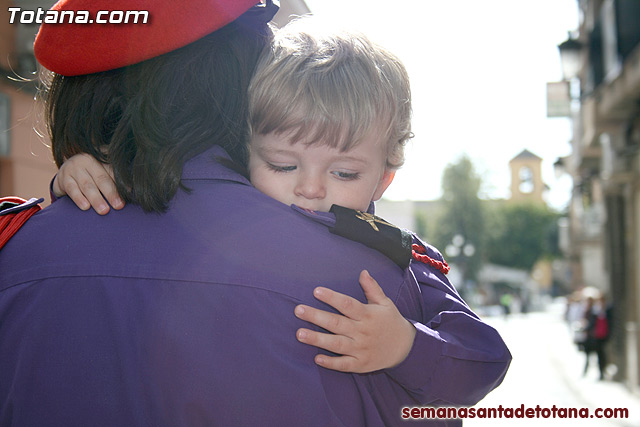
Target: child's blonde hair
<point>334,88</point>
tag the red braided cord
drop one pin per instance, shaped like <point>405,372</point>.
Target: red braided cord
<point>419,254</point>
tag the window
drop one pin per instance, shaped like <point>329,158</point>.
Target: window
<point>5,121</point>
<point>526,180</point>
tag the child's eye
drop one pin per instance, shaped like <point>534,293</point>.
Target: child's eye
<point>346,176</point>
<point>277,168</point>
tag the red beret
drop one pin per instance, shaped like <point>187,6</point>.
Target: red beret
<point>76,48</point>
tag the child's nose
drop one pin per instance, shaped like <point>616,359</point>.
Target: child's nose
<point>310,186</point>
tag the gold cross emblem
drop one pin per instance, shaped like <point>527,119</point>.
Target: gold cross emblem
<point>372,219</point>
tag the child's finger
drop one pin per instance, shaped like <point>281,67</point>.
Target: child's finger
<point>339,363</point>
<point>107,187</point>
<point>109,169</point>
<point>91,192</point>
<point>350,307</point>
<point>334,343</point>
<point>73,191</point>
<point>332,322</point>
<point>371,288</point>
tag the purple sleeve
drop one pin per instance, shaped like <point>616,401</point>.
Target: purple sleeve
<point>456,357</point>
<point>51,194</point>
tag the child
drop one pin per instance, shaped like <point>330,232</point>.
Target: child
<point>329,118</point>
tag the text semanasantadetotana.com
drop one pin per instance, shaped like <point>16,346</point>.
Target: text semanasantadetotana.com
<point>522,411</point>
<point>40,15</point>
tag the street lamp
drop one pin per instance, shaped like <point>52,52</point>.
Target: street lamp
<point>559,167</point>
<point>563,97</point>
<point>460,251</point>
<point>570,57</point>
<point>458,246</point>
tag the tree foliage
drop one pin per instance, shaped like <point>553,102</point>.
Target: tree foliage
<point>521,234</point>
<point>501,232</point>
<point>463,214</point>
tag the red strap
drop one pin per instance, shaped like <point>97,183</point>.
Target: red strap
<point>419,253</point>
<point>11,223</point>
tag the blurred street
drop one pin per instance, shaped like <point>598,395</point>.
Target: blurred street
<point>547,370</point>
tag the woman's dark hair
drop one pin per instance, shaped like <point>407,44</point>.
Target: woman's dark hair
<point>147,119</point>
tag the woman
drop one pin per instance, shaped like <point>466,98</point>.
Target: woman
<point>179,309</point>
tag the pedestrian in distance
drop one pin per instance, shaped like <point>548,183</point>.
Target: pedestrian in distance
<point>597,321</point>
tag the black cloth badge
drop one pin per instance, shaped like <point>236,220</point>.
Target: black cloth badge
<point>260,14</point>
<point>374,232</point>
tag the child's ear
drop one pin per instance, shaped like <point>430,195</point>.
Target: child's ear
<point>385,182</point>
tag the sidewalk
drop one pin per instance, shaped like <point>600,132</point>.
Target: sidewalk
<point>588,388</point>
<point>546,372</point>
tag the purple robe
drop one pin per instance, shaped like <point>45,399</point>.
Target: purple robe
<point>186,318</point>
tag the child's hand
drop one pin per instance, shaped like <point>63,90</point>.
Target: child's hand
<point>88,183</point>
<point>369,336</point>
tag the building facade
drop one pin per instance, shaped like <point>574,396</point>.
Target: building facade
<point>26,163</point>
<point>605,165</point>
<point>526,178</point>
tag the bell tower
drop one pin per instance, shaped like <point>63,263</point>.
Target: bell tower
<point>526,178</point>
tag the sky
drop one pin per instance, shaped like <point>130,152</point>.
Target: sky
<point>478,72</point>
